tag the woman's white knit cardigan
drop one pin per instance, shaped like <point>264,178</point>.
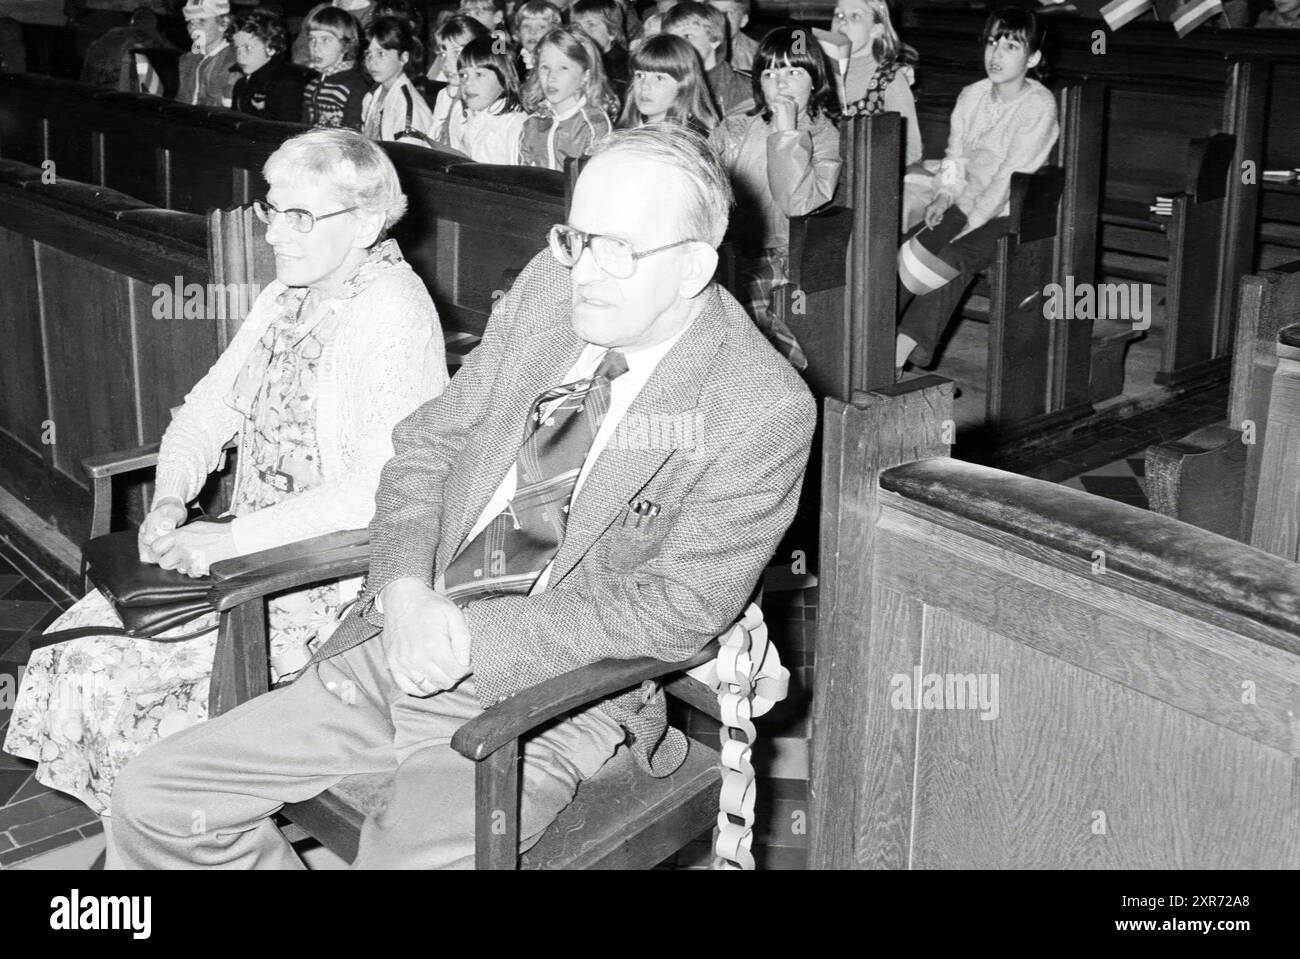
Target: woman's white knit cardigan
<point>386,359</point>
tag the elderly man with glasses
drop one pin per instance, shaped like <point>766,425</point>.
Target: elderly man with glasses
<point>607,476</point>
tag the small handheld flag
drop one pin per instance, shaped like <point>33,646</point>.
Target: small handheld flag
<point>837,46</point>
<point>1117,13</point>
<point>1193,13</point>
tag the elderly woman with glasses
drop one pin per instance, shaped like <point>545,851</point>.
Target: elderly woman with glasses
<point>340,347</point>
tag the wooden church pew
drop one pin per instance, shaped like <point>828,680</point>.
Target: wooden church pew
<point>1215,478</point>
<point>849,336</point>
<point>93,359</point>
<point>1014,674</point>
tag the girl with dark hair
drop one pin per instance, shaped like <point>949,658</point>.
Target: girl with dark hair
<point>668,84</point>
<point>394,109</point>
<point>333,97</point>
<point>490,99</point>
<point>450,37</point>
<point>784,160</point>
<point>269,87</point>
<point>1003,124</point>
<point>569,99</point>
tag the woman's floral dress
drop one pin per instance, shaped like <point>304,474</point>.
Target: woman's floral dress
<point>87,706</point>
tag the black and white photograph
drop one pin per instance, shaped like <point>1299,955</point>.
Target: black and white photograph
<point>669,436</point>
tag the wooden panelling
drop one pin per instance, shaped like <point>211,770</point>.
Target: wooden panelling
<point>22,369</point>
<point>88,339</point>
<point>171,354</point>
<point>1064,776</point>
<point>1277,510</point>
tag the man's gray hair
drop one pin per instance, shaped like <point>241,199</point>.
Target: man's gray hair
<point>708,188</point>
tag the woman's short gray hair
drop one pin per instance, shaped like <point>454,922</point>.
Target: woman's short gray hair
<point>707,205</point>
<point>345,164</point>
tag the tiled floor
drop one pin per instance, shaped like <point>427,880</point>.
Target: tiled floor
<point>40,828</point>
<point>34,821</point>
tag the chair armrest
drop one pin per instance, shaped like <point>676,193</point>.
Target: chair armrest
<point>104,465</point>
<point>529,708</point>
<point>332,556</point>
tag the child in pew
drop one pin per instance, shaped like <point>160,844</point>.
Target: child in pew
<point>333,97</point>
<point>490,13</point>
<point>403,10</point>
<point>876,77</point>
<point>784,161</point>
<point>206,70</point>
<point>668,84</point>
<point>269,86</point>
<point>569,101</point>
<point>706,30</point>
<point>491,100</point>
<point>1285,15</point>
<point>742,46</point>
<point>1001,125</point>
<point>451,37</point>
<point>532,21</point>
<point>602,20</point>
<point>393,109</point>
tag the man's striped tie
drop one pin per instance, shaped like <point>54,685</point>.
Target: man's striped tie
<point>508,555</point>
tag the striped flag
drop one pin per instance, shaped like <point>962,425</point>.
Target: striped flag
<point>1193,13</point>
<point>147,78</point>
<point>920,269</point>
<point>1119,12</point>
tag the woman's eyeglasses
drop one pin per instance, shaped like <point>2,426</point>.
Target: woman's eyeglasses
<point>616,257</point>
<point>304,221</point>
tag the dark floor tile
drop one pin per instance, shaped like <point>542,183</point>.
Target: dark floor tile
<point>785,788</point>
<point>35,809</point>
<point>9,638</point>
<point>20,614</point>
<point>52,825</point>
<point>93,829</point>
<point>28,592</point>
<point>11,781</point>
<point>5,842</point>
<point>44,623</point>
<point>1138,465</point>
<point>33,788</point>
<point>1056,471</point>
<point>36,848</point>
<point>7,568</point>
<point>780,857</point>
<point>8,582</point>
<point>18,652</point>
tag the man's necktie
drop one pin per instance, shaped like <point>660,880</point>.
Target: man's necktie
<point>508,555</point>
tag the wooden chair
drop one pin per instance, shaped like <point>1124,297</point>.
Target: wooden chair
<point>621,818</point>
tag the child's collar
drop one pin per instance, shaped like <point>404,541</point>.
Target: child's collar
<point>578,104</point>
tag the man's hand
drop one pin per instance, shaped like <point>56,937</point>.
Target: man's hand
<point>162,519</point>
<point>784,113</point>
<point>195,548</point>
<point>936,209</point>
<point>426,639</point>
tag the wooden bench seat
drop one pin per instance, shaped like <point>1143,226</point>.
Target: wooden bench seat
<point>621,801</point>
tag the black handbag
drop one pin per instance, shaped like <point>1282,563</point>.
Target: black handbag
<point>148,599</point>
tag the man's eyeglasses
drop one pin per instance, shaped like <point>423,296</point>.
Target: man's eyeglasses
<point>614,256</point>
<point>304,221</point>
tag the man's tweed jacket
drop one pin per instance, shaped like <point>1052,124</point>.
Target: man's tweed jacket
<point>718,438</point>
